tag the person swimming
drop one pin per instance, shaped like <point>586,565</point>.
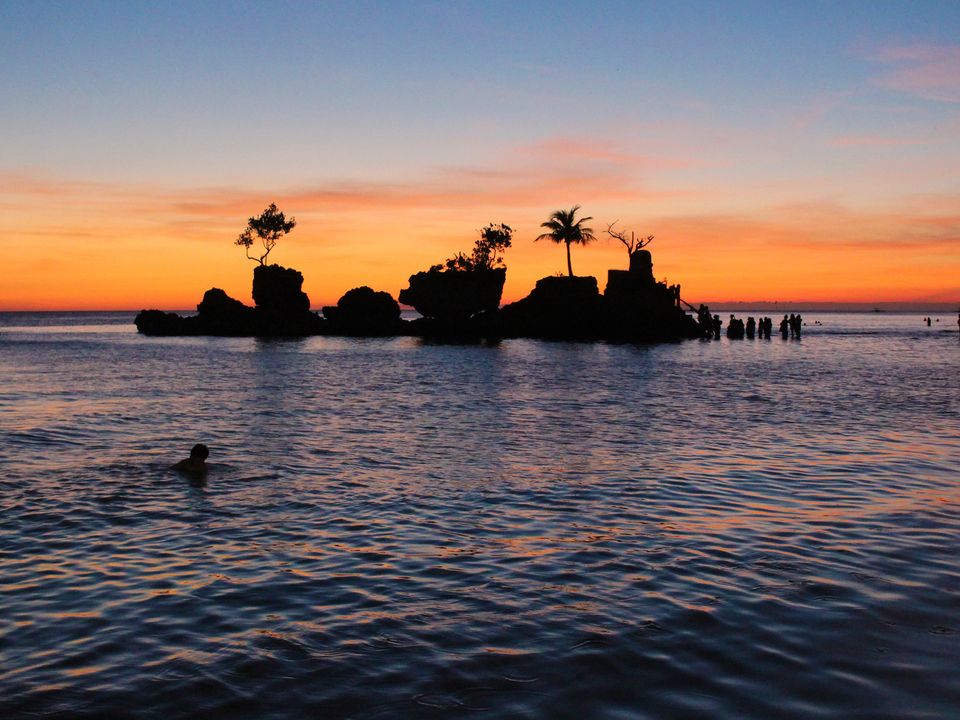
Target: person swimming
<point>195,464</point>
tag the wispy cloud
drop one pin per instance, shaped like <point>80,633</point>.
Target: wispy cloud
<point>563,150</point>
<point>876,141</point>
<point>540,175</point>
<point>820,107</point>
<point>924,223</point>
<point>928,71</point>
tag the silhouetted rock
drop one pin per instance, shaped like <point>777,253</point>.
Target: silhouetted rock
<point>641,265</point>
<point>454,295</point>
<point>636,307</point>
<point>157,322</point>
<point>458,305</point>
<point>559,307</point>
<point>362,311</point>
<point>217,314</point>
<point>220,314</point>
<point>283,309</point>
<point>216,303</point>
<point>279,288</point>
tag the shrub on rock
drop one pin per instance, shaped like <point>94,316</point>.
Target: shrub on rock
<point>465,285</point>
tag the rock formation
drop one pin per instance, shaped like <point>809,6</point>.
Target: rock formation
<point>637,307</point>
<point>157,322</point>
<point>455,295</point>
<point>456,304</point>
<point>220,314</point>
<point>559,307</point>
<point>283,309</point>
<point>633,307</point>
<point>364,312</point>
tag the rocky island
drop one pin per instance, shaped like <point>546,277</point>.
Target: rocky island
<point>458,299</point>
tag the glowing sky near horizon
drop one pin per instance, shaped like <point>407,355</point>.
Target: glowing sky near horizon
<point>803,152</point>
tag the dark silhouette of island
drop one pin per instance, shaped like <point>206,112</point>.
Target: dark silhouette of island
<point>282,310</point>
<point>457,299</point>
<point>462,295</point>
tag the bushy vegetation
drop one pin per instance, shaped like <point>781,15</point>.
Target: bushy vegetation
<point>487,251</point>
<point>268,227</point>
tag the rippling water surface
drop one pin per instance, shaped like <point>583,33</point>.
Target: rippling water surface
<point>745,529</point>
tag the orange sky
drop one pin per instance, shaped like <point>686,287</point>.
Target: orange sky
<point>81,245</point>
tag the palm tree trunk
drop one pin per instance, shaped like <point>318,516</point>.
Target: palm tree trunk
<point>569,265</point>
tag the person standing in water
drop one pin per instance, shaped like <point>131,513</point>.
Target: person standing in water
<point>196,464</point>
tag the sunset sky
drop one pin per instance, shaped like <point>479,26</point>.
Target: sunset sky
<point>806,151</point>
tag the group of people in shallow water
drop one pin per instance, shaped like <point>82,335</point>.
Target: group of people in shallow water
<point>762,328</point>
<point>793,326</point>
<point>790,327</point>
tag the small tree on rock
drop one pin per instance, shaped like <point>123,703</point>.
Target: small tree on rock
<point>487,251</point>
<point>463,286</point>
<point>564,228</point>
<point>269,227</point>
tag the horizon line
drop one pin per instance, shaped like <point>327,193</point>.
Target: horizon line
<point>807,305</point>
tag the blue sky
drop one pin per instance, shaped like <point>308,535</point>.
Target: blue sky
<point>159,91</point>
<point>758,123</point>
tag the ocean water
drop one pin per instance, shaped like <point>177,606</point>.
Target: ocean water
<point>392,528</point>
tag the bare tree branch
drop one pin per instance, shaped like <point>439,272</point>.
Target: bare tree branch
<point>632,244</point>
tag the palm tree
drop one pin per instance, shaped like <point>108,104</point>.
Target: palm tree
<point>563,229</point>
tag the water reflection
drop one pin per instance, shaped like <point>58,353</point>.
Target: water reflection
<point>533,529</point>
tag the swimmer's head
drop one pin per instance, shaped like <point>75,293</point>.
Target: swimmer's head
<point>199,452</point>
